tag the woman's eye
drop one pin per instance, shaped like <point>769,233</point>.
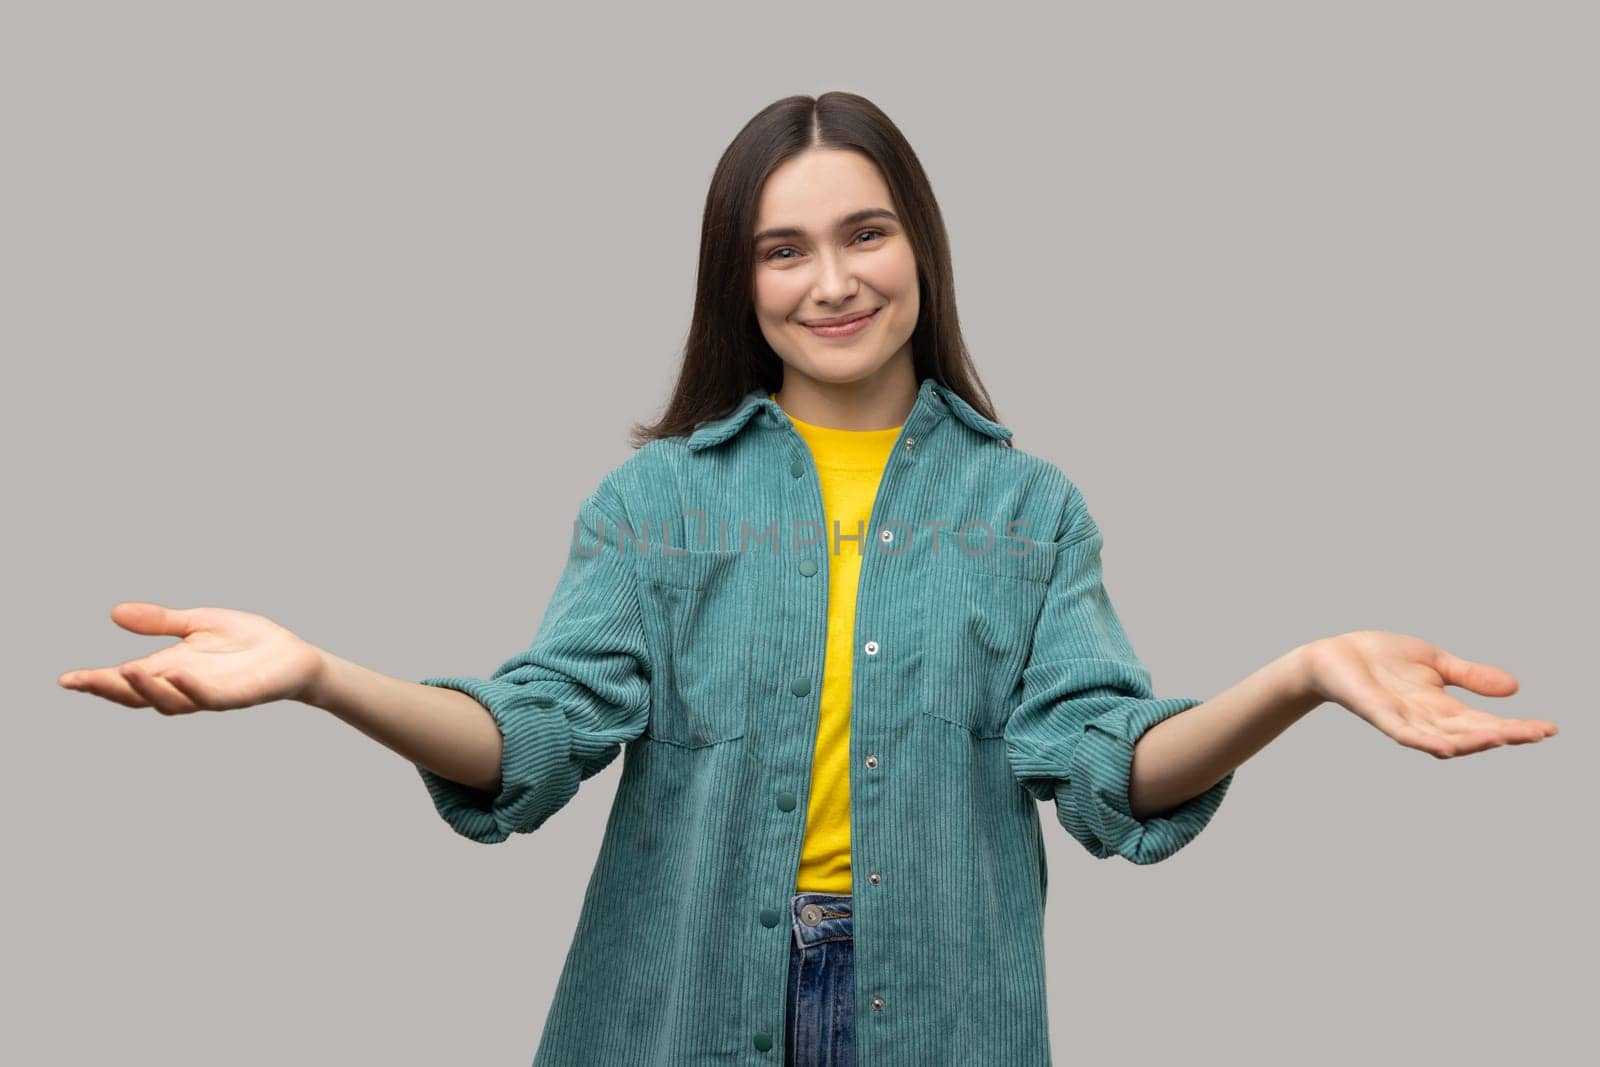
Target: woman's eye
<point>774,253</point>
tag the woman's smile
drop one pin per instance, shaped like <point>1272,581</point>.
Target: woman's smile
<point>850,328</point>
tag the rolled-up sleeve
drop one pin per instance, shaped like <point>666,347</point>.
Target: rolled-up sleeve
<point>567,704</point>
<point>1086,700</point>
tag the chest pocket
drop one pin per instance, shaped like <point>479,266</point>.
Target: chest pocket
<point>698,610</point>
<point>981,613</point>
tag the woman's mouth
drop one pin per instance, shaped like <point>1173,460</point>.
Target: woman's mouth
<point>849,329</point>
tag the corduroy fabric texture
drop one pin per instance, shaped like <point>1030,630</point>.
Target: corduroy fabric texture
<point>1000,678</point>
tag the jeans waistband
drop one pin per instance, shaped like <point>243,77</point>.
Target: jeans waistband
<point>819,917</point>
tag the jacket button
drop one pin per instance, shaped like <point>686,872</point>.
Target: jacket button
<point>797,468</point>
<point>875,878</point>
<point>872,763</point>
<point>886,535</point>
<point>786,801</point>
<point>769,917</point>
<point>763,1041</point>
<point>910,441</point>
<point>808,567</point>
<point>877,1003</point>
<point>800,687</point>
<point>872,648</point>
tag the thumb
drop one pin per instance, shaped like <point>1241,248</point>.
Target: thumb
<point>1483,678</point>
<point>145,618</point>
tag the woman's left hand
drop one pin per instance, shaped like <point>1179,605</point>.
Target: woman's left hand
<point>1397,683</point>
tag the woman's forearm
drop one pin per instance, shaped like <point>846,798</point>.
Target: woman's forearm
<point>1183,756</point>
<point>444,730</point>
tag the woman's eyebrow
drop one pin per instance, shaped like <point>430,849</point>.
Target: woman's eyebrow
<point>848,220</point>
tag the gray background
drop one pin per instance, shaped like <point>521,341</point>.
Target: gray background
<point>334,311</point>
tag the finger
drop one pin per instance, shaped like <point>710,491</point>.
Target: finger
<point>1413,735</point>
<point>190,688</point>
<point>146,618</point>
<point>1523,731</point>
<point>105,682</point>
<point>1481,678</point>
<point>1477,729</point>
<point>1456,740</point>
<point>157,690</point>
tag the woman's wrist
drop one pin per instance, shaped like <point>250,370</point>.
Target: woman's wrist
<point>314,691</point>
<point>1300,673</point>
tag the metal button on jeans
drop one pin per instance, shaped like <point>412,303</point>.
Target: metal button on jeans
<point>811,914</point>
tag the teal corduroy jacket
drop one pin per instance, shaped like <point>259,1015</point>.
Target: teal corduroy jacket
<point>687,632</point>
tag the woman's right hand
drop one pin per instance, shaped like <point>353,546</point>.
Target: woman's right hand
<point>227,659</point>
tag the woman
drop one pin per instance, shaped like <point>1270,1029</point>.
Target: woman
<point>848,636</point>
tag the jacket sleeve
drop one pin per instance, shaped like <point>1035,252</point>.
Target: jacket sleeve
<point>1086,700</point>
<point>566,704</point>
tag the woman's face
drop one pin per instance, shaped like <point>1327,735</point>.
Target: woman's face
<point>843,251</point>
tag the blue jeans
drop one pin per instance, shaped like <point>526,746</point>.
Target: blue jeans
<point>820,1020</point>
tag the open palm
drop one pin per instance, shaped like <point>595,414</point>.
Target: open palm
<point>227,659</point>
<point>1396,682</point>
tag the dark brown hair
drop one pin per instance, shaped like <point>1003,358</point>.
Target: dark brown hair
<point>726,356</point>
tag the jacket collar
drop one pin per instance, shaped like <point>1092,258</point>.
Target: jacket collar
<point>933,397</point>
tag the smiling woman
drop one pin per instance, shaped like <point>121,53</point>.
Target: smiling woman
<point>830,740</point>
<point>835,287</point>
<point>820,213</point>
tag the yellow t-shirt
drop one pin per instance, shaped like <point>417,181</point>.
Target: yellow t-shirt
<point>849,466</point>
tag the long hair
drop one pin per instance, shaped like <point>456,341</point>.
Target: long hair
<point>726,356</point>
